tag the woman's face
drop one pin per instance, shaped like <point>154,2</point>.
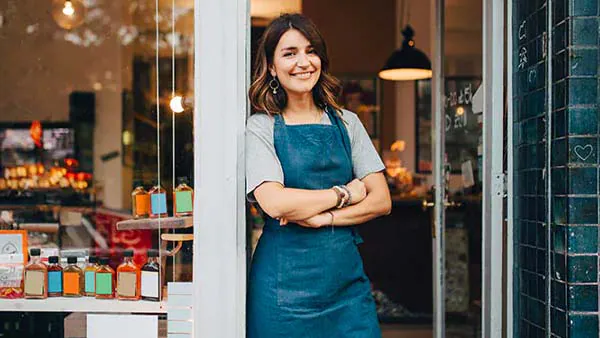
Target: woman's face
<point>295,63</point>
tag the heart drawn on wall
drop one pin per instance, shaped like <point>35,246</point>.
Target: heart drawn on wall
<point>583,152</point>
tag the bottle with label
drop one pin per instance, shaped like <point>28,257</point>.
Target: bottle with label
<point>105,280</point>
<point>36,277</point>
<point>140,201</point>
<point>151,277</point>
<point>183,199</point>
<point>90,277</point>
<point>55,277</point>
<point>73,280</point>
<point>128,278</point>
<point>158,201</point>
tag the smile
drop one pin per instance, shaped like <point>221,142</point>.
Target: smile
<point>303,75</point>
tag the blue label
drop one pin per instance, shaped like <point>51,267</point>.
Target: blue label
<point>55,281</point>
<point>90,281</point>
<point>159,203</point>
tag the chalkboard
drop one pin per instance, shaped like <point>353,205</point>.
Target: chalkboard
<point>462,123</point>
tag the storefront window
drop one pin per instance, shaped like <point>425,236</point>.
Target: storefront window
<point>96,161</point>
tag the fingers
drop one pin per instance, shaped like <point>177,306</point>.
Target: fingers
<point>283,221</point>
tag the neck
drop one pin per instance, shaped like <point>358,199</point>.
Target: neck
<point>301,104</point>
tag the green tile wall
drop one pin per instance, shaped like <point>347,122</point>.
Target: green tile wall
<point>556,254</point>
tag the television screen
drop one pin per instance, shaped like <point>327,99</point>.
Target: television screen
<point>17,147</point>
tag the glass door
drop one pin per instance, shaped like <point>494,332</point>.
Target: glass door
<point>457,89</point>
<point>467,157</point>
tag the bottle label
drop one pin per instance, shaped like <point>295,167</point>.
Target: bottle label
<point>34,283</point>
<point>150,284</point>
<point>159,203</point>
<point>104,284</point>
<point>142,204</point>
<point>55,281</point>
<point>126,284</point>
<point>90,281</point>
<point>71,283</point>
<point>183,201</point>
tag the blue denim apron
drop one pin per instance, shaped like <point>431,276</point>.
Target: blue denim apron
<point>304,282</point>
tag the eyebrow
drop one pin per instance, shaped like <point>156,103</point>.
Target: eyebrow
<point>294,48</point>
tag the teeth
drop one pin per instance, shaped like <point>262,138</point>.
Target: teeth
<point>303,75</point>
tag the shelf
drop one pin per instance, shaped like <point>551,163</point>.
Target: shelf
<point>153,223</point>
<point>83,304</point>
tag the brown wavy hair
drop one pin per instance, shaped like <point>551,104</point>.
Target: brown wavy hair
<point>325,92</point>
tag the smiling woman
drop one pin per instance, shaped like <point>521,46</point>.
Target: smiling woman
<point>311,167</point>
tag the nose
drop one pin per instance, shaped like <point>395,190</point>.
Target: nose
<point>302,60</point>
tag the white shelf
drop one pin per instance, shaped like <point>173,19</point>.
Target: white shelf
<point>83,304</point>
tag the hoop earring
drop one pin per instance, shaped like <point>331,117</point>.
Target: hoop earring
<point>274,85</point>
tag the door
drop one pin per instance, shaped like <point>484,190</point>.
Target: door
<point>467,135</point>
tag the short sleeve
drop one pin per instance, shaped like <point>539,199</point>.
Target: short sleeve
<point>365,159</point>
<point>262,164</point>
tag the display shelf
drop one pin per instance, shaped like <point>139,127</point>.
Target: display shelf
<point>156,223</point>
<point>83,304</point>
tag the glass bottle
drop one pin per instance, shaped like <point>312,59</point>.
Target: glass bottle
<point>140,201</point>
<point>158,202</point>
<point>90,277</point>
<point>183,199</point>
<point>105,280</point>
<point>151,277</point>
<point>128,278</point>
<point>36,277</point>
<point>73,280</point>
<point>55,277</point>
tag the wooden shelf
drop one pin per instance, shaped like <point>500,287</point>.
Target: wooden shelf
<point>156,223</point>
<point>83,304</point>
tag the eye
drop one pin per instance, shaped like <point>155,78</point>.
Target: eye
<point>286,54</point>
<point>311,51</point>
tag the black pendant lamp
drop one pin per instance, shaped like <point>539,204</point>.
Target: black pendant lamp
<point>407,63</point>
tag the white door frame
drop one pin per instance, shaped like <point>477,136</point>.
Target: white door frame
<point>493,172</point>
<point>221,76</point>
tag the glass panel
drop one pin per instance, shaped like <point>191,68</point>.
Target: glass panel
<point>86,116</point>
<point>463,143</point>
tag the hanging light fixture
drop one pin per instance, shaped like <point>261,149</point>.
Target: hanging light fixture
<point>68,14</point>
<point>408,62</point>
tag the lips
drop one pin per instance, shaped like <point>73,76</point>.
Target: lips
<point>302,75</point>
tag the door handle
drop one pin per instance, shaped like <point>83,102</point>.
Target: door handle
<point>448,204</point>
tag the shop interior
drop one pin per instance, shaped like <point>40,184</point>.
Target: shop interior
<point>99,102</point>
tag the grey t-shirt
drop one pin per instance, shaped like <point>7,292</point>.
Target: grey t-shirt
<point>262,164</point>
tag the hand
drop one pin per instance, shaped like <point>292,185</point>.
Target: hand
<point>358,190</point>
<point>317,221</point>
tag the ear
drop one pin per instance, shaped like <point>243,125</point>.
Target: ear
<point>272,71</point>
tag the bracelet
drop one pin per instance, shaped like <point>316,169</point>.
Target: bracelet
<point>349,200</point>
<point>339,195</point>
<point>331,213</point>
<point>344,197</point>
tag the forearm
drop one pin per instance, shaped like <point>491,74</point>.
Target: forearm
<point>297,204</point>
<point>373,206</point>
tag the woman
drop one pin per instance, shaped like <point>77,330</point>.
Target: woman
<point>314,171</point>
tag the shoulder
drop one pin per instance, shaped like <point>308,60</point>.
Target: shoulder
<point>259,121</point>
<point>351,118</point>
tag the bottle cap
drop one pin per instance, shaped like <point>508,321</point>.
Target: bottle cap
<point>103,260</point>
<point>152,253</point>
<point>93,259</point>
<point>34,252</point>
<point>53,259</point>
<point>128,253</point>
<point>72,260</point>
